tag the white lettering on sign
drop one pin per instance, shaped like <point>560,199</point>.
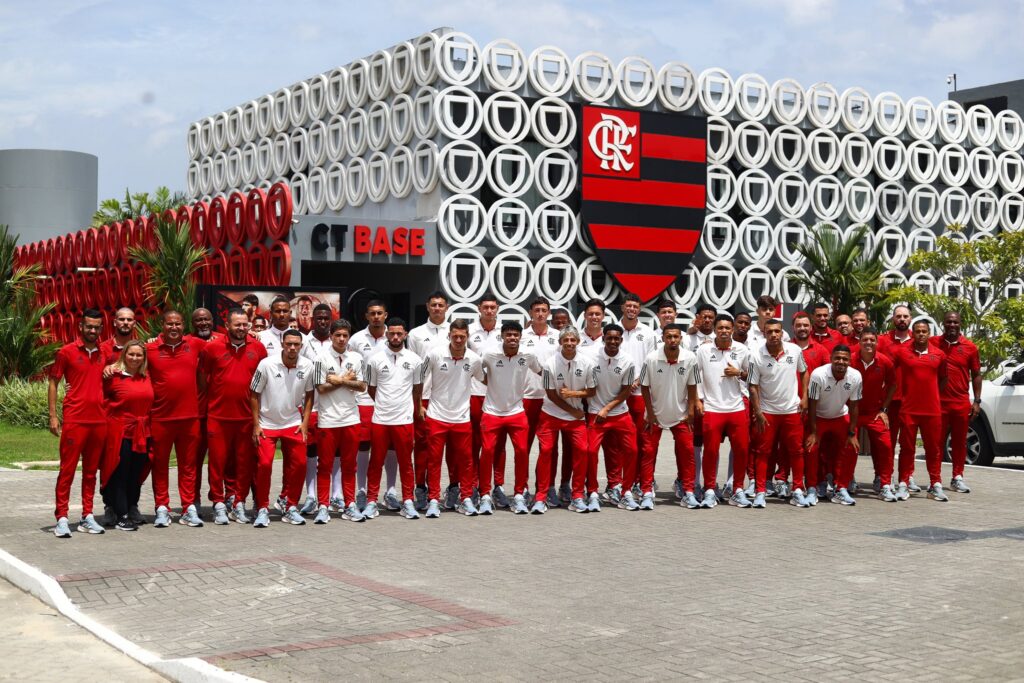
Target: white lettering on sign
<point>610,142</point>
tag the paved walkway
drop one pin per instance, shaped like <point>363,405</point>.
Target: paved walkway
<point>917,590</point>
<point>41,645</point>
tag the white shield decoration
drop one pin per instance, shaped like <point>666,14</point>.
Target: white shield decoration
<point>504,65</point>
<point>377,125</point>
<point>458,112</point>
<point>462,221</point>
<point>458,58</point>
<point>462,167</point>
<point>552,269</point>
<point>555,171</point>
<point>401,120</point>
<point>506,118</point>
<point>509,170</point>
<point>400,178</point>
<point>424,166</point>
<point>589,271</point>
<point>464,274</point>
<point>510,224</point>
<point>550,71</point>
<point>554,124</point>
<point>511,276</point>
<point>377,177</point>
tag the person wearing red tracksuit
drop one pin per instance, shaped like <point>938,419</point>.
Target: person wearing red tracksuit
<point>173,362</point>
<point>638,341</point>
<point>923,374</point>
<point>777,372</point>
<point>227,366</point>
<point>128,394</point>
<point>339,379</point>
<point>281,400</point>
<point>888,344</point>
<point>124,331</point>
<point>700,333</point>
<point>394,381</point>
<point>879,376</point>
<point>507,374</point>
<point>568,379</point>
<point>821,333</point>
<point>669,385</point>
<point>422,340</point>
<point>202,328</point>
<point>833,396</point>
<point>815,356</point>
<point>610,425</point>
<point>450,370</point>
<point>964,376</point>
<point>721,371</point>
<point>83,429</point>
<point>541,340</point>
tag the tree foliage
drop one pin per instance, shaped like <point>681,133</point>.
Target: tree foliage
<point>24,350</point>
<point>979,273</point>
<point>838,271</point>
<point>136,205</point>
<point>173,267</point>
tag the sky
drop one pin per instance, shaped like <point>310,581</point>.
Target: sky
<point>123,80</point>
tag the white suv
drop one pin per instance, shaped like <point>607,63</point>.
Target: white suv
<point>999,429</point>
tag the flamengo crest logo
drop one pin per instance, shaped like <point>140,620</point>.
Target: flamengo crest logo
<point>611,141</point>
<point>643,193</point>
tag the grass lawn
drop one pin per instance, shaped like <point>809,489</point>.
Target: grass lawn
<point>24,444</point>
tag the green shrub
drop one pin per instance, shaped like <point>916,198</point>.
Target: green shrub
<point>23,403</point>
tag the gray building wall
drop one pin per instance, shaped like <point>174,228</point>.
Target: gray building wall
<point>45,193</point>
<point>992,95</point>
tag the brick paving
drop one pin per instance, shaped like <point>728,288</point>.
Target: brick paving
<point>916,590</point>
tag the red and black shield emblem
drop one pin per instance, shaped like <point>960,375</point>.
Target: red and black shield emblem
<point>643,194</point>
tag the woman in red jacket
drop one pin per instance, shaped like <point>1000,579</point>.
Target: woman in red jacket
<point>129,397</point>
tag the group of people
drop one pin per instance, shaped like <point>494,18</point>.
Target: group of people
<point>348,409</point>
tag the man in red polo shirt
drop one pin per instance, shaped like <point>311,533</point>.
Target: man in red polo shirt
<point>821,333</point>
<point>173,363</point>
<point>202,331</point>
<point>923,373</point>
<point>879,378</point>
<point>888,343</point>
<point>227,366</point>
<point>964,377</point>
<point>84,429</point>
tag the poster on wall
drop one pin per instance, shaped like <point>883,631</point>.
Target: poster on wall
<point>256,304</point>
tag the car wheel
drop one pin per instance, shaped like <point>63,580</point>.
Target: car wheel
<point>979,445</point>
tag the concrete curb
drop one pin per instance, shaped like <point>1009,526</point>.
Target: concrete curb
<point>46,588</point>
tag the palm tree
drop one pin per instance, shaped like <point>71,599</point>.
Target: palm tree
<point>23,351</point>
<point>838,271</point>
<point>173,267</point>
<point>138,204</point>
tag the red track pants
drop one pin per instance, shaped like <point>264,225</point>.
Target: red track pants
<point>931,433</point>
<point>400,439</point>
<point>294,451</point>
<point>343,443</point>
<point>832,435</point>
<point>183,436</point>
<point>79,441</point>
<point>493,430</point>
<point>954,425</point>
<point>617,435</point>
<point>686,467</point>
<point>638,414</point>
<point>231,453</point>
<point>881,448</point>
<point>548,430</point>
<point>736,426</point>
<point>784,435</point>
<point>454,442</point>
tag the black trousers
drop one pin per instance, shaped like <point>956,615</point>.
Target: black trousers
<point>124,486</point>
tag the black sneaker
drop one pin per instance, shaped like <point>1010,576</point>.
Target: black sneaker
<point>135,516</point>
<point>126,524</point>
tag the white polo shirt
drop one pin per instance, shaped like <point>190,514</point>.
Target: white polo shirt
<point>282,391</point>
<point>480,342</point>
<point>543,346</point>
<point>271,339</point>
<point>451,380</point>
<point>638,343</point>
<point>831,393</point>
<point>611,373</point>
<point>668,383</point>
<point>338,407</point>
<point>507,379</point>
<point>366,345</point>
<point>576,375</point>
<point>590,345</point>
<point>755,337</point>
<point>394,375</point>
<point>777,378</point>
<point>696,340</point>
<point>311,348</point>
<point>721,394</point>
<point>423,338</point>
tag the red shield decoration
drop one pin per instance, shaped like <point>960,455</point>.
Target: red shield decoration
<point>643,194</point>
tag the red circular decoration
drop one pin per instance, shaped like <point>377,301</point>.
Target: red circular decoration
<point>217,268</point>
<point>114,245</point>
<point>280,264</point>
<point>102,233</point>
<point>279,211</point>
<point>79,259</point>
<point>170,215</point>
<point>259,269</point>
<point>236,219</point>
<point>139,284</point>
<point>255,215</point>
<point>216,229</point>
<point>48,256</point>
<point>138,233</point>
<point>238,262</point>
<point>90,248</point>
<point>199,221</point>
<point>101,289</point>
<point>150,234</point>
